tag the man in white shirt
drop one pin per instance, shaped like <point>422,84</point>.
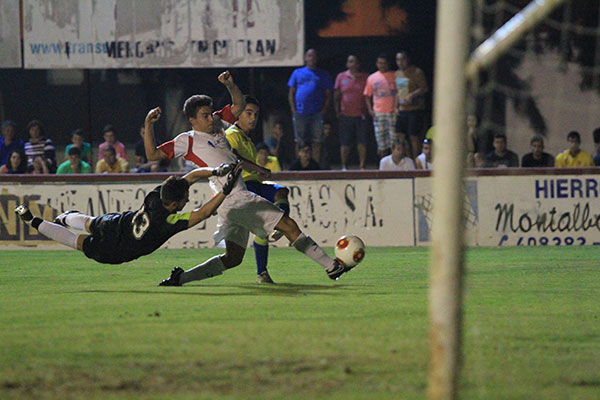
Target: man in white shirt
<point>397,161</point>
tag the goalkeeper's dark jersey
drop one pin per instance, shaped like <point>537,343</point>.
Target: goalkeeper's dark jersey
<point>118,238</point>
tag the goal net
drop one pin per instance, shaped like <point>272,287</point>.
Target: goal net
<point>547,83</point>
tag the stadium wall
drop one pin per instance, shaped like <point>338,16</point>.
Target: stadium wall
<point>502,207</point>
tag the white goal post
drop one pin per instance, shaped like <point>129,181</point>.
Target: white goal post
<point>447,252</point>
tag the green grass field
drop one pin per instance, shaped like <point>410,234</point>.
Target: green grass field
<point>72,328</point>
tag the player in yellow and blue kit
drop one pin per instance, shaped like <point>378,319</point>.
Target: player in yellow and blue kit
<point>237,136</point>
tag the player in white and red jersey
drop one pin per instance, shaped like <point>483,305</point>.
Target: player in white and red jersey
<point>242,211</point>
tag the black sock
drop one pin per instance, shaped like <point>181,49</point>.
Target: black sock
<point>36,221</point>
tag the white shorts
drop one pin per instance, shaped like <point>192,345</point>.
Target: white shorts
<point>243,212</point>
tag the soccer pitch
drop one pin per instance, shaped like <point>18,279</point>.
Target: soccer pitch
<point>72,328</point>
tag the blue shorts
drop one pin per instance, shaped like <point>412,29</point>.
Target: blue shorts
<point>265,190</point>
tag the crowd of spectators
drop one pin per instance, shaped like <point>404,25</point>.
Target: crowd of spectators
<point>387,103</point>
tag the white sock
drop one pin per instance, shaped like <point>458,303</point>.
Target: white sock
<point>211,267</point>
<point>58,233</point>
<point>306,245</point>
<point>77,220</point>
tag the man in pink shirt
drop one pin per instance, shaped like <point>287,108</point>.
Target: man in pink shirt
<point>110,139</point>
<point>380,93</point>
<point>351,109</point>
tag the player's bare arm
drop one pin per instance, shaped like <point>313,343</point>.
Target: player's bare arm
<point>237,98</point>
<point>209,208</point>
<point>206,172</point>
<point>152,153</point>
<point>263,173</point>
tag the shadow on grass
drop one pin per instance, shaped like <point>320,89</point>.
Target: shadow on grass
<point>283,289</point>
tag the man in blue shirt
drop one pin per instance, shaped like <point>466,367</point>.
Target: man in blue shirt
<point>309,97</point>
<point>9,141</point>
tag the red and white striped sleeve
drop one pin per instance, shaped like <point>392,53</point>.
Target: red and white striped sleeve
<point>176,147</point>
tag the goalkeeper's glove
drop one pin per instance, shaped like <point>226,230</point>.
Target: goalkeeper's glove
<point>223,169</point>
<point>232,178</point>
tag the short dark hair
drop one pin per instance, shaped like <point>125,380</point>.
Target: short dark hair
<point>78,132</point>
<point>109,148</point>
<point>9,122</point>
<point>384,56</point>
<point>173,189</point>
<point>109,128</point>
<point>74,151</point>
<point>251,100</point>
<point>499,135</point>
<point>536,138</point>
<point>35,122</point>
<point>428,141</point>
<point>399,143</point>
<point>596,134</point>
<point>574,135</point>
<point>191,105</point>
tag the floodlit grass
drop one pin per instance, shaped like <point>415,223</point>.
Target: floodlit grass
<point>72,328</point>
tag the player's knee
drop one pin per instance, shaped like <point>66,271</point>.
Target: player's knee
<point>231,260</point>
<point>288,226</point>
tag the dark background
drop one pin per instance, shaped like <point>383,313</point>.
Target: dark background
<point>101,99</point>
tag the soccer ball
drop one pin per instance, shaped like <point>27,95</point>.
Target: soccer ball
<point>350,250</point>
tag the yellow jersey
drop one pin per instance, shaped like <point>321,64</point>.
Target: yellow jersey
<point>582,159</point>
<point>272,164</point>
<point>239,141</point>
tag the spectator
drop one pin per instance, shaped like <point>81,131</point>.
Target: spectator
<point>110,139</point>
<point>39,166</point>
<point>9,141</point>
<point>275,143</point>
<point>141,162</point>
<point>309,97</point>
<point>380,92</point>
<point>537,157</point>
<point>74,165</point>
<point>397,161</point>
<point>411,87</point>
<point>78,140</point>
<point>500,157</point>
<point>304,162</point>
<point>351,110</point>
<point>265,160</point>
<point>425,159</point>
<point>40,146</point>
<point>110,162</point>
<point>573,156</point>
<point>597,146</point>
<point>17,163</point>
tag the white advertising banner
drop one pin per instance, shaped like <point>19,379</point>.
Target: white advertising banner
<point>376,210</point>
<point>10,34</point>
<point>162,34</point>
<point>559,210</point>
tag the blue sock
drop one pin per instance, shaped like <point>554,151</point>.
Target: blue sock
<point>284,205</point>
<point>261,253</point>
